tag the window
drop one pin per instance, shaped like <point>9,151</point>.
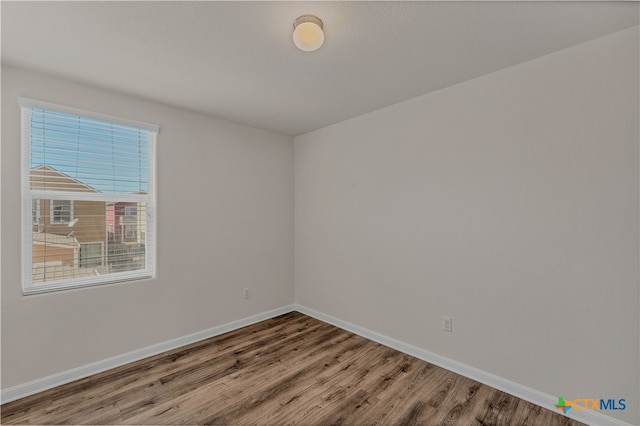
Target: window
<point>130,232</point>
<point>61,211</point>
<point>79,168</point>
<point>90,255</point>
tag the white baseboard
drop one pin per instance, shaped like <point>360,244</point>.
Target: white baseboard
<point>542,399</point>
<point>39,385</point>
<point>526,393</point>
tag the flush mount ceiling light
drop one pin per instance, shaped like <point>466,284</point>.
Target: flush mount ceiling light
<point>307,33</point>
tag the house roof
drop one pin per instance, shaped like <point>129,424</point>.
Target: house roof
<point>41,238</point>
<point>47,177</point>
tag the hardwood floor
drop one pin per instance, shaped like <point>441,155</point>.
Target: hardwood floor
<point>289,370</point>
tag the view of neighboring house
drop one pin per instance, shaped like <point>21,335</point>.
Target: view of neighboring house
<point>126,222</point>
<point>73,238</point>
<point>126,233</point>
<point>69,236</point>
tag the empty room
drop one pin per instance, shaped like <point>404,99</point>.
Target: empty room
<point>320,213</point>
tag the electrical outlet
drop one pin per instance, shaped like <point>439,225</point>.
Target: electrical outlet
<point>246,293</point>
<point>447,324</point>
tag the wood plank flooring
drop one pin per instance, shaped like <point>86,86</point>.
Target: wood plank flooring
<point>289,370</point>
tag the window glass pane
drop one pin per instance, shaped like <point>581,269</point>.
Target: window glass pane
<point>90,255</point>
<point>75,153</point>
<point>62,251</point>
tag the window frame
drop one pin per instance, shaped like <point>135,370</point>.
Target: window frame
<point>29,195</point>
<point>52,213</point>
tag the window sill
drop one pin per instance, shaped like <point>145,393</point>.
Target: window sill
<point>115,278</point>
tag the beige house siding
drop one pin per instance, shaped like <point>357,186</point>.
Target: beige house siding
<point>88,225</point>
<point>52,253</point>
<point>91,225</point>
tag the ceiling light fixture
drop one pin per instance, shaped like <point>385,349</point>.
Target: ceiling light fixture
<point>307,33</point>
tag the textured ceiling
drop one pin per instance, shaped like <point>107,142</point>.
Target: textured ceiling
<point>236,59</point>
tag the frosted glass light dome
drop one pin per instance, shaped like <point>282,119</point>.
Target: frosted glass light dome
<point>307,34</point>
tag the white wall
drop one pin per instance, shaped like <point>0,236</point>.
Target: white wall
<point>509,202</point>
<point>225,222</point>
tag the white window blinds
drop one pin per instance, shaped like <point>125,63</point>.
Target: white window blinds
<point>92,178</point>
